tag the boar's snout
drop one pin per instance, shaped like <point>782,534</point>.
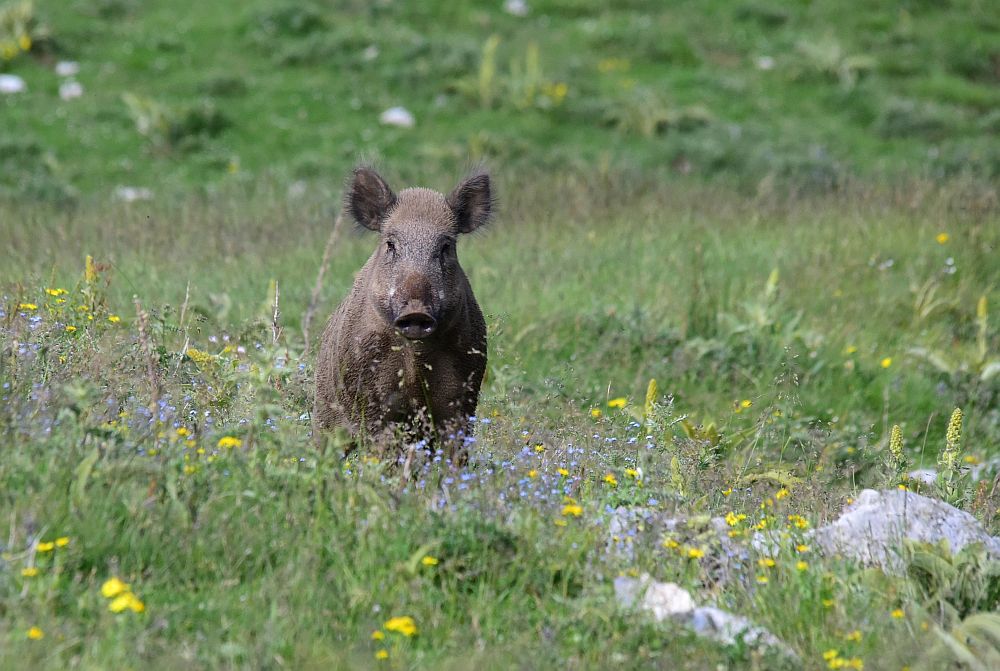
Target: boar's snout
<point>414,322</point>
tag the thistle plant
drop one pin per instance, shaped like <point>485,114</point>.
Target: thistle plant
<point>948,459</point>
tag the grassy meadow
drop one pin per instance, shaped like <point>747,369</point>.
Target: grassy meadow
<point>715,285</point>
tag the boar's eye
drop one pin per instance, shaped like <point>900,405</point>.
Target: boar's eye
<point>446,250</point>
<point>390,248</point>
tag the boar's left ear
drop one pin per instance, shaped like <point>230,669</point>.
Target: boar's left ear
<point>369,199</point>
<point>472,202</point>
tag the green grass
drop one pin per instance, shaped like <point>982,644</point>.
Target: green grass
<point>237,91</point>
<point>275,554</point>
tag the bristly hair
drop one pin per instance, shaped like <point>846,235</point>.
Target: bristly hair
<point>474,169</point>
<point>350,205</point>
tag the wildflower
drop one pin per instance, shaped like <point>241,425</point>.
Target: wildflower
<point>632,473</point>
<point>671,544</point>
<point>611,479</point>
<point>227,442</point>
<point>801,565</point>
<point>762,579</point>
<point>898,613</point>
<point>559,523</point>
<point>595,413</point>
<point>827,603</point>
<point>572,509</point>
<point>532,473</point>
<point>29,571</point>
<point>850,349</point>
<point>539,448</point>
<point>62,541</point>
<point>896,445</point>
<point>886,362</point>
<point>856,663</point>
<point>732,519</point>
<point>802,547</point>
<point>114,319</point>
<point>27,306</point>
<point>766,562</point>
<point>382,654</point>
<point>746,403</point>
<point>853,636</point>
<point>36,634</point>
<point>798,521</point>
<point>126,601</point>
<point>378,635</point>
<point>902,488</point>
<point>56,292</point>
<point>617,402</point>
<point>182,431</point>
<point>113,587</point>
<point>695,553</point>
<point>563,472</point>
<point>831,654</point>
<point>942,238</point>
<point>727,492</point>
<point>45,547</point>
<point>429,561</point>
<point>781,493</point>
<point>89,270</point>
<point>198,356</point>
<point>953,438</point>
<point>402,625</point>
<point>70,328</point>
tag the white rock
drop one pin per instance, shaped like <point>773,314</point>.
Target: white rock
<point>664,599</point>
<point>12,84</point>
<point>516,7</point>
<point>928,476</point>
<point>67,68</point>
<point>765,63</point>
<point>370,53</point>
<point>130,194</point>
<point>872,529</point>
<point>70,89</point>
<point>397,116</point>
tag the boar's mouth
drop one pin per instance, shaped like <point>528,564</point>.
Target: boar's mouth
<point>415,325</point>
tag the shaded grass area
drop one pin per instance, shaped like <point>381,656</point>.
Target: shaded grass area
<point>183,94</point>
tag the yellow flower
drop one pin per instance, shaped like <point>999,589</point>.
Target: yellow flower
<point>727,492</point>
<point>830,654</point>
<point>802,547</point>
<point>695,553</point>
<point>853,636</point>
<point>827,603</point>
<point>856,663</point>
<point>378,635</point>
<point>401,625</point>
<point>850,349</point>
<point>617,402</point>
<point>942,238</point>
<point>56,292</point>
<point>29,571</point>
<point>539,448</point>
<point>24,41</point>
<point>802,565</point>
<point>36,634</point>
<point>766,562</point>
<point>762,579</point>
<point>632,473</point>
<point>230,442</point>
<point>27,306</point>
<point>114,319</point>
<point>563,472</point>
<point>572,509</point>
<point>89,270</point>
<point>559,523</point>
<point>903,488</point>
<point>595,413</point>
<point>198,356</point>
<point>886,362</point>
<point>381,654</point>
<point>45,547</point>
<point>113,587</point>
<point>799,521</point>
<point>70,328</point>
<point>746,403</point>
<point>781,493</point>
<point>532,473</point>
<point>182,431</point>
<point>898,613</point>
<point>611,479</point>
<point>62,541</point>
<point>732,519</point>
<point>429,561</point>
<point>126,601</point>
<point>671,544</point>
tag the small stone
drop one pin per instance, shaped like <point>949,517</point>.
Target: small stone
<point>764,63</point>
<point>397,116</point>
<point>70,90</point>
<point>516,7</point>
<point>130,194</point>
<point>928,476</point>
<point>67,68</point>
<point>12,84</point>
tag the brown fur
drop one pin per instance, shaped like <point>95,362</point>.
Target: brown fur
<point>371,379</point>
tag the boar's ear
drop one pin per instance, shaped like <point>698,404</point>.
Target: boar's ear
<point>369,199</point>
<point>472,202</point>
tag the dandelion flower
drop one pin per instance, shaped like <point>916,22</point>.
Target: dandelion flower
<point>762,579</point>
<point>671,544</point>
<point>113,587</point>
<point>802,547</point>
<point>27,306</point>
<point>611,479</point>
<point>695,553</point>
<point>942,238</point>
<point>572,509</point>
<point>766,562</point>
<point>831,654</point>
<point>898,614</point>
<point>532,473</point>
<point>126,601</point>
<point>228,442</point>
<point>727,492</point>
<point>47,546</point>
<point>429,561</point>
<point>781,493</point>
<point>378,635</point>
<point>56,292</point>
<point>62,541</point>
<point>70,328</point>
<point>403,624</point>
<point>886,362</point>
<point>114,319</point>
<point>746,403</point>
<point>617,402</point>
<point>563,472</point>
<point>850,349</point>
<point>595,413</point>
<point>559,522</point>
<point>853,636</point>
<point>539,448</point>
<point>36,634</point>
<point>381,654</point>
<point>29,571</point>
<point>802,565</point>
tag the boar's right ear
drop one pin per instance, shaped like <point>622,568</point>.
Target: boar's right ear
<point>369,199</point>
<point>472,202</point>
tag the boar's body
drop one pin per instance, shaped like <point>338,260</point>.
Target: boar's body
<point>406,350</point>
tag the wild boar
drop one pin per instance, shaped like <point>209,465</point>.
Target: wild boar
<point>406,350</point>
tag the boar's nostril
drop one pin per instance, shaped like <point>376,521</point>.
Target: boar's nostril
<point>415,324</point>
